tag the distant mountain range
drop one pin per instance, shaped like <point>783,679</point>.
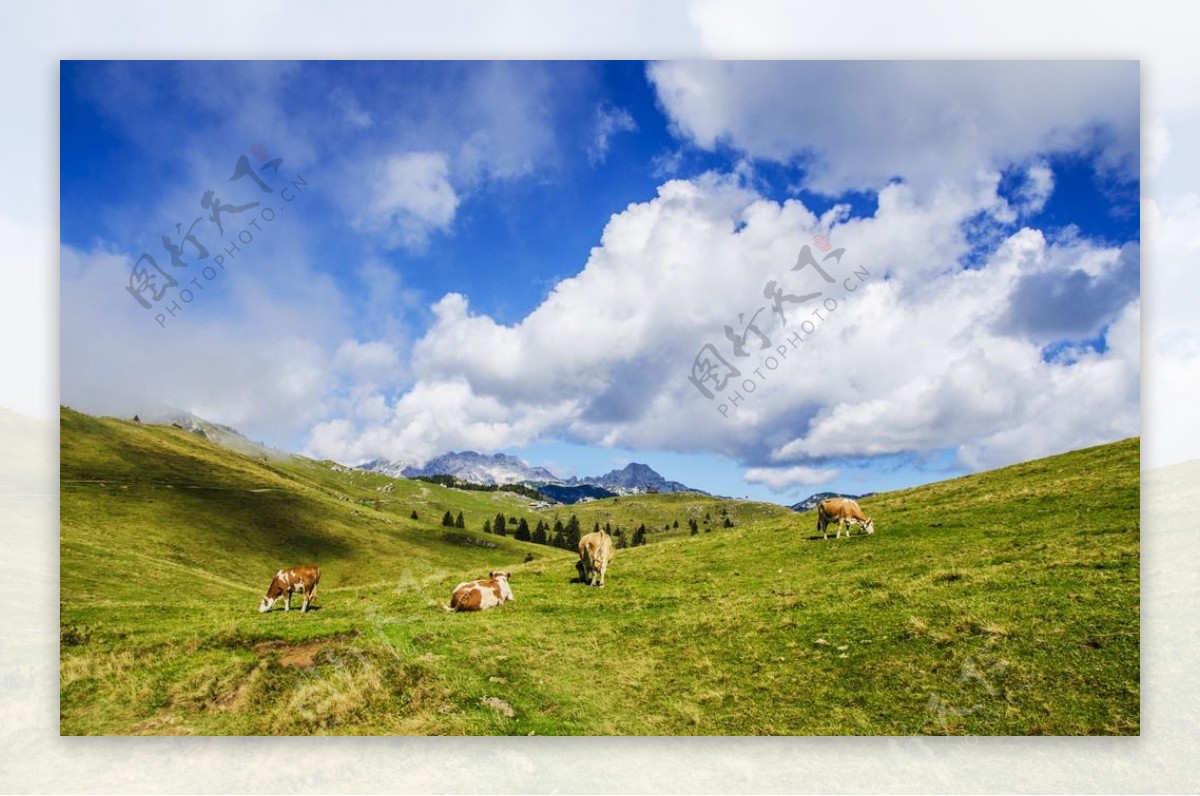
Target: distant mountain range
<point>810,502</point>
<point>475,468</point>
<point>500,469</point>
<point>633,478</point>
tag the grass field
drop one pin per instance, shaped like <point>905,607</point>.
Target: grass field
<point>1001,603</point>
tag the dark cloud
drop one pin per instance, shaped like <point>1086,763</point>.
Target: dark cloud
<point>1050,305</point>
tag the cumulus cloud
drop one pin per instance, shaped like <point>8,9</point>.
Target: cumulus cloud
<point>1036,189</point>
<point>609,121</point>
<point>782,480</point>
<point>858,125</point>
<point>411,198</point>
<point>922,355</point>
<point>1072,291</point>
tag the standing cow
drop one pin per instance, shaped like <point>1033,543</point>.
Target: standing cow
<point>845,512</point>
<point>595,551</point>
<point>286,582</point>
<point>477,595</point>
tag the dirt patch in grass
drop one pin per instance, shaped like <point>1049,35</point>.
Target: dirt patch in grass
<point>302,655</point>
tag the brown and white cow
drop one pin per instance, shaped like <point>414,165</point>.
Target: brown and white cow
<point>478,595</point>
<point>286,582</point>
<point>845,512</point>
<point>595,551</point>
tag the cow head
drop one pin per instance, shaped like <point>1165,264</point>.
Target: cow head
<point>274,592</point>
<point>501,578</point>
<point>869,526</point>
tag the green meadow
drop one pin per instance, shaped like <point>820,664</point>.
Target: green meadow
<point>1002,603</point>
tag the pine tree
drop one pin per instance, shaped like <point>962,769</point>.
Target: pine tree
<point>522,533</point>
<point>677,525</point>
<point>572,533</point>
<point>539,533</point>
<point>608,528</point>
<point>458,521</point>
<point>560,534</point>
<point>487,526</point>
<point>728,522</point>
<point>414,515</point>
<point>639,536</point>
<point>597,528</point>
<point>499,526</point>
<point>621,543</point>
<point>448,520</point>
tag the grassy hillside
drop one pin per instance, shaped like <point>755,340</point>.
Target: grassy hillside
<point>1002,603</point>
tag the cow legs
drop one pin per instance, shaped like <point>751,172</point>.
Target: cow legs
<point>309,596</point>
<point>288,605</point>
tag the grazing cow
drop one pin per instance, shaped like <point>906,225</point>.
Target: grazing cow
<point>595,551</point>
<point>286,581</point>
<point>845,512</point>
<point>478,595</point>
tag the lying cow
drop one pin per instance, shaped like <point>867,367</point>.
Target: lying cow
<point>477,595</point>
<point>286,582</point>
<point>595,551</point>
<point>845,512</point>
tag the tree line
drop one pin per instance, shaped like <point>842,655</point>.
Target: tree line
<point>567,535</point>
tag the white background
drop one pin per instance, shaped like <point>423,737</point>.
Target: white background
<point>34,37</point>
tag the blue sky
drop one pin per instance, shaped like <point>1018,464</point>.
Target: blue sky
<point>529,257</point>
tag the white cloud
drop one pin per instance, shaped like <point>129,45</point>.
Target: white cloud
<point>372,361</point>
<point>609,121</point>
<point>371,357</point>
<point>781,480</point>
<point>411,198</point>
<point>924,356</point>
<point>433,417</point>
<point>352,111</point>
<point>857,125</point>
<point>248,351</point>
<point>1036,189</point>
